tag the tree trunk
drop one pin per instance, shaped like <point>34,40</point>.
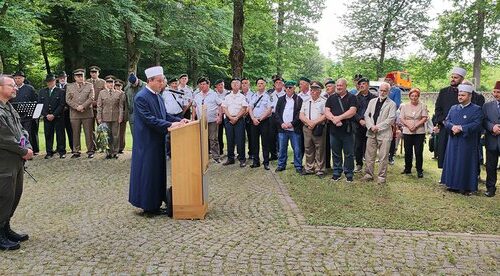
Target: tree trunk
<point>478,45</point>
<point>45,56</point>
<point>192,65</point>
<point>133,54</point>
<point>1,64</point>
<point>157,51</point>
<point>237,52</point>
<point>279,38</point>
<point>383,47</point>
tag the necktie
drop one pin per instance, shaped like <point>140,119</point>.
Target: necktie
<point>50,92</point>
<point>163,111</point>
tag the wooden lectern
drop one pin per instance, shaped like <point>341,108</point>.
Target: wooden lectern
<point>189,163</point>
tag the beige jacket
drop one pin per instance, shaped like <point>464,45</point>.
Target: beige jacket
<point>76,96</point>
<point>98,86</point>
<point>385,119</point>
<point>110,106</point>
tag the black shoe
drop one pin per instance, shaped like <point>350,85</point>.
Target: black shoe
<point>5,243</point>
<point>48,156</point>
<point>243,164</point>
<point>90,156</point>
<point>255,165</point>
<point>299,170</point>
<point>266,167</point>
<point>420,175</point>
<point>336,178</point>
<point>216,160</point>
<point>406,172</point>
<point>228,162</point>
<point>157,212</point>
<point>75,155</point>
<point>120,152</point>
<point>62,156</point>
<point>279,169</point>
<point>108,156</point>
<point>13,236</point>
<point>306,172</point>
<point>115,156</point>
<point>489,194</point>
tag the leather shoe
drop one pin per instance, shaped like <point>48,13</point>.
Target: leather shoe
<point>489,194</point>
<point>13,236</point>
<point>243,164</point>
<point>157,212</point>
<point>279,169</point>
<point>62,156</point>
<point>255,165</point>
<point>90,156</point>
<point>48,156</point>
<point>228,162</point>
<point>266,167</point>
<point>75,155</point>
<point>406,172</point>
<point>420,175</point>
<point>6,244</point>
<point>299,171</point>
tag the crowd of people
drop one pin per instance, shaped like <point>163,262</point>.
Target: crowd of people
<point>326,125</point>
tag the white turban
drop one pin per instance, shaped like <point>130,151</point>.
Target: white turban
<point>153,71</point>
<point>465,88</point>
<point>459,71</point>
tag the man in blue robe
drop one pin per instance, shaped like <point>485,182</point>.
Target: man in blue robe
<point>462,151</point>
<point>148,175</point>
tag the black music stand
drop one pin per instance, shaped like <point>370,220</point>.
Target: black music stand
<point>26,109</point>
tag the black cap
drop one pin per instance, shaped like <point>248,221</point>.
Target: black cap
<point>357,77</point>
<point>262,79</point>
<point>19,74</point>
<point>235,79</point>
<point>203,79</point>
<point>305,79</point>
<point>172,80</point>
<point>119,82</point>
<point>50,77</point>
<point>218,81</point>
<point>94,68</point>
<point>316,84</point>
<point>329,82</point>
<point>363,80</point>
<point>278,79</point>
<point>62,74</point>
<point>182,76</point>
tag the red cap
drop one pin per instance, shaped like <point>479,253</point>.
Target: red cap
<point>497,85</point>
<point>390,76</point>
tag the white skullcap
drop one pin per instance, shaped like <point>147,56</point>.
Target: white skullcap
<point>153,71</point>
<point>465,88</point>
<point>459,71</point>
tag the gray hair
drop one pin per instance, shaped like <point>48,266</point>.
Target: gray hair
<point>385,83</point>
<point>3,78</point>
<point>342,80</point>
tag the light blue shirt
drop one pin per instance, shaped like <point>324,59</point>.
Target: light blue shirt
<point>173,102</point>
<point>395,95</point>
<point>211,100</point>
<point>262,106</point>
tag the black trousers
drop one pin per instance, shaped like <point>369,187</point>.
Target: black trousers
<point>11,186</point>
<point>442,142</point>
<point>414,142</point>
<point>57,126</point>
<point>69,130</point>
<point>360,144</point>
<point>235,135</point>
<point>220,137</point>
<point>34,135</point>
<point>248,130</point>
<point>491,169</point>
<point>260,131</point>
<point>328,150</point>
<point>273,138</point>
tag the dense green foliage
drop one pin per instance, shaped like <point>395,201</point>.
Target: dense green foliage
<point>194,37</point>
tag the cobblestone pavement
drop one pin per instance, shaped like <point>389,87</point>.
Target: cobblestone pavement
<point>80,222</point>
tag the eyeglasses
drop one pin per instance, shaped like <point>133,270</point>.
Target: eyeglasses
<point>288,87</point>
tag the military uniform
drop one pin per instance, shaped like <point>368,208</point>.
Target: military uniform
<point>110,111</point>
<point>14,144</point>
<point>131,91</point>
<point>123,124</point>
<point>81,94</point>
<point>27,93</point>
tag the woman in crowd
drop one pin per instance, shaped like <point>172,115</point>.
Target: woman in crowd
<point>413,116</point>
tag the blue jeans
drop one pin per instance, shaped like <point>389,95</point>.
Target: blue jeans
<point>342,142</point>
<point>235,134</point>
<point>295,139</point>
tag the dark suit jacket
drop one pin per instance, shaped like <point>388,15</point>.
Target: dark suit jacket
<point>280,107</point>
<point>491,117</point>
<point>53,104</point>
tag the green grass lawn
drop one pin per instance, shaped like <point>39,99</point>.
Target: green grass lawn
<point>405,202</point>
